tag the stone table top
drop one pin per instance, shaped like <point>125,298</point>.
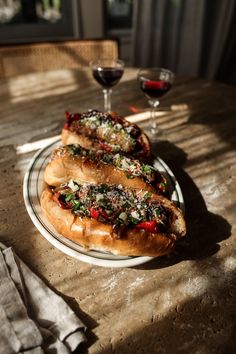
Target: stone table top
<point>182,303</point>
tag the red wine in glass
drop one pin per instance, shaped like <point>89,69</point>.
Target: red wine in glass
<point>107,72</point>
<point>107,77</point>
<point>154,89</point>
<point>155,82</point>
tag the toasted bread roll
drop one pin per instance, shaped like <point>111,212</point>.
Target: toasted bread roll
<point>92,166</point>
<point>107,131</point>
<point>109,219</point>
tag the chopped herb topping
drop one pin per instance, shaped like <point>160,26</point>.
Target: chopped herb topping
<point>147,169</point>
<point>133,167</point>
<point>114,205</point>
<point>112,129</point>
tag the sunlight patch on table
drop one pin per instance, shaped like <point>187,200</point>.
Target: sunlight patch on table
<point>39,144</point>
<point>28,87</point>
<point>229,264</point>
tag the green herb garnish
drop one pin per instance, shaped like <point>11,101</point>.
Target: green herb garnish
<point>69,197</point>
<point>147,169</point>
<point>129,176</point>
<point>147,195</point>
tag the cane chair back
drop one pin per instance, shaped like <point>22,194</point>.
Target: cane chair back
<point>22,59</point>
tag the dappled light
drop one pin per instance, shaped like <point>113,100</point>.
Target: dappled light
<point>26,88</point>
<point>182,302</point>
<point>188,294</point>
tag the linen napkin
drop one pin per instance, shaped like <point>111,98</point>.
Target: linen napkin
<point>33,319</point>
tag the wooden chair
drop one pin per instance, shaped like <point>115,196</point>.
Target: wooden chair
<point>27,58</point>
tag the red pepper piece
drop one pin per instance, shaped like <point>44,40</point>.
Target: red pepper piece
<point>66,126</point>
<point>150,226</point>
<point>69,120</point>
<point>94,213</point>
<point>68,115</point>
<point>76,116</point>
<point>71,117</point>
<point>103,213</point>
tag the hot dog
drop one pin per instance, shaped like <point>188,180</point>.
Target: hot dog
<point>113,218</point>
<point>93,166</point>
<point>106,131</point>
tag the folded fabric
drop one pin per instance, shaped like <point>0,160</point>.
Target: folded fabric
<point>33,318</point>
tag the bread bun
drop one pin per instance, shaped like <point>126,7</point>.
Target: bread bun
<point>86,166</point>
<point>92,233</point>
<point>107,131</point>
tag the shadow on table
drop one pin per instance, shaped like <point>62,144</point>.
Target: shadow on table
<point>196,321</point>
<point>204,229</point>
<point>88,321</point>
<point>201,324</point>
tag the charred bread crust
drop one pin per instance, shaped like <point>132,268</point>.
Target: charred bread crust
<point>93,234</point>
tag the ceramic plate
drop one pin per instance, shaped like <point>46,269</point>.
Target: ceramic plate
<point>32,189</point>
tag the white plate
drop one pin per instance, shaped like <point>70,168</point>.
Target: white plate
<point>32,189</point>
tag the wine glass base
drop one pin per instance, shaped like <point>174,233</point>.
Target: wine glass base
<point>154,134</point>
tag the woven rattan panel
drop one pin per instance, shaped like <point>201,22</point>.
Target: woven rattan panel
<point>49,56</point>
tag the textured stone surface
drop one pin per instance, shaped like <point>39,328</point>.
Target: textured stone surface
<point>185,303</point>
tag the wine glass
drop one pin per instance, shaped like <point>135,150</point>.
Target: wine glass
<point>107,72</point>
<point>155,82</point>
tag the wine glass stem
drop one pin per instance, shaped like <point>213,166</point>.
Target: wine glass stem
<point>107,99</point>
<point>154,105</point>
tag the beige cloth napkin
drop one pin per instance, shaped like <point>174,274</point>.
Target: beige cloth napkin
<point>33,319</point>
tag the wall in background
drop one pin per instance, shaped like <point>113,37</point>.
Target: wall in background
<point>58,20</point>
<point>23,21</point>
<point>150,32</point>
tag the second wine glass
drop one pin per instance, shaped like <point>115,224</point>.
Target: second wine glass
<point>155,82</point>
<point>107,72</point>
